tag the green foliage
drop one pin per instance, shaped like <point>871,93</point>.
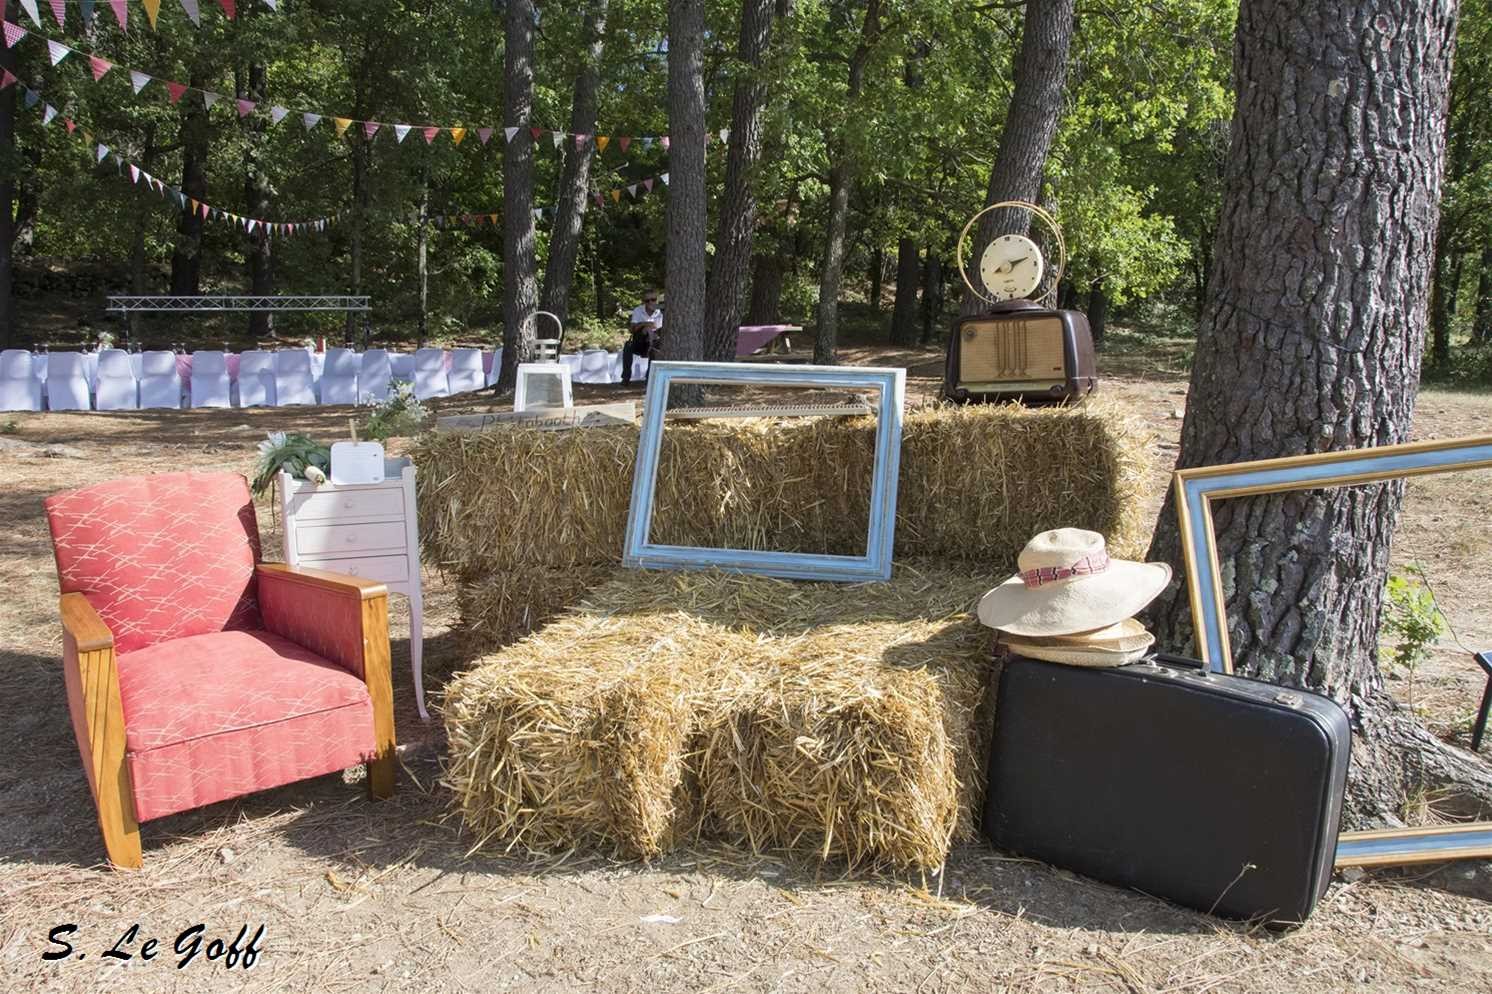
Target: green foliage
<point>10,427</point>
<point>401,414</point>
<point>295,454</point>
<point>1412,621</point>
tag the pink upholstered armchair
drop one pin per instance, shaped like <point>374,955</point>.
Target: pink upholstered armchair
<point>195,673</point>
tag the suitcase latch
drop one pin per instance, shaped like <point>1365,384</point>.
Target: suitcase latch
<point>1287,699</point>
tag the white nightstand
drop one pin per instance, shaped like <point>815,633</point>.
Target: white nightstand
<point>367,530</point>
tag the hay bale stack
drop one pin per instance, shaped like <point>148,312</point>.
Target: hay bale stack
<point>838,721</point>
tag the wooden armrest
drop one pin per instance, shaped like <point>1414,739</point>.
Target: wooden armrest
<point>324,579</point>
<point>81,621</point>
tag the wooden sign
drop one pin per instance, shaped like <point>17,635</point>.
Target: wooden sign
<point>546,418</point>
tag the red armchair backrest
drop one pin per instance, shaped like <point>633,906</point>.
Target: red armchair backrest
<point>160,557</point>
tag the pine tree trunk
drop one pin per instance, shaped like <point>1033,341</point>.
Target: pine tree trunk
<point>569,220</point>
<point>520,291</point>
<point>841,175</point>
<point>422,262</point>
<point>684,280</point>
<point>1440,318</point>
<point>1098,312</point>
<point>766,289</point>
<point>877,274</point>
<point>1311,341</point>
<point>7,202</point>
<point>932,295</point>
<point>1481,322</point>
<point>257,201</point>
<point>737,230</point>
<point>908,275</point>
<point>1030,124</point>
<point>186,256</point>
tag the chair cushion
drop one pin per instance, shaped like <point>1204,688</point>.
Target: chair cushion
<point>214,716</point>
<point>160,557</point>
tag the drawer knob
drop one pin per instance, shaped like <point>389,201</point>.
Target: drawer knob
<point>352,570</point>
<point>352,538</point>
<point>347,503</point>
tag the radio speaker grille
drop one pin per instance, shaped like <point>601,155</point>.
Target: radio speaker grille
<point>1012,349</point>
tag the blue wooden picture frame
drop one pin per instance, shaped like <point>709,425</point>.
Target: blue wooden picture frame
<point>640,552</point>
<point>1195,491</point>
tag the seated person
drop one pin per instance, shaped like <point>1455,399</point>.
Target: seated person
<point>646,324</point>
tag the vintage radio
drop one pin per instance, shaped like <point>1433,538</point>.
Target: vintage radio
<point>1018,349</point>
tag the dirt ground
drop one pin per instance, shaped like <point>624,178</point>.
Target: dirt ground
<point>360,896</point>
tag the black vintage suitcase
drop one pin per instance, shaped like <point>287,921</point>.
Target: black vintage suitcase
<point>1216,792</point>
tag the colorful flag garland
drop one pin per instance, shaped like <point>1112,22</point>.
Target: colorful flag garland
<point>636,191</point>
<point>122,13</point>
<point>58,51</point>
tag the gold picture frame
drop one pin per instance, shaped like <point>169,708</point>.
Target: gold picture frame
<point>1196,490</point>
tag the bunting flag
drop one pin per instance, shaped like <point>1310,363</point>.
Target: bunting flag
<point>616,196</point>
<point>7,78</point>
<point>57,51</point>
<point>559,140</point>
<point>430,134</point>
<point>13,34</point>
<point>176,91</point>
<point>400,131</point>
<point>724,135</point>
<point>664,142</point>
<point>48,114</point>
<point>277,114</point>
<point>99,66</point>
<point>138,80</point>
<point>229,8</point>
<point>103,152</point>
<point>341,124</point>
<point>29,6</point>
<point>664,178</point>
<point>190,6</point>
<point>209,98</point>
<point>245,107</point>
<point>121,13</point>
<point>484,134</point>
<point>601,142</point>
<point>310,120</point>
<point>622,143</point>
<point>370,128</point>
<point>152,11</point>
<point>457,134</point>
<point>510,132</point>
<point>59,11</point>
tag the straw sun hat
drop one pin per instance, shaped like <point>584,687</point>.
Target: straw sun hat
<point>1116,645</point>
<point>1068,585</point>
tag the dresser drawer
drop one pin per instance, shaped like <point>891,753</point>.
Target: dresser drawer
<point>384,569</point>
<point>336,540</point>
<point>383,502</point>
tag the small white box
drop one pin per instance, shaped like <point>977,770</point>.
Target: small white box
<point>357,462</point>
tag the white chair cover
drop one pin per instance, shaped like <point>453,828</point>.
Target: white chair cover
<point>497,366</point>
<point>67,382</point>
<point>430,374</point>
<point>466,371</point>
<point>595,367</point>
<point>295,383</point>
<point>20,386</point>
<point>373,378</point>
<point>211,386</point>
<point>160,383</point>
<point>339,377</point>
<point>542,384</point>
<point>256,379</point>
<point>115,387</point>
<point>402,363</point>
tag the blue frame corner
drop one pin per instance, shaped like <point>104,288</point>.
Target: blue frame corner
<point>641,553</point>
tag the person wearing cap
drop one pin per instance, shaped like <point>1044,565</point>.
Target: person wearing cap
<point>646,325</point>
<point>1073,603</point>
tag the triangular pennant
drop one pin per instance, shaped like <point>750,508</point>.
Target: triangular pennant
<point>138,80</point>
<point>558,138</point>
<point>310,120</point>
<point>536,132</point>
<point>99,66</point>
<point>724,135</point>
<point>190,6</point>
<point>664,142</point>
<point>616,196</point>
<point>632,191</point>
<point>229,8</point>
<point>277,113</point>
<point>121,13</point>
<point>370,128</point>
<point>580,141</point>
<point>400,130</point>
<point>647,184</point>
<point>209,98</point>
<point>664,178</point>
<point>134,173</point>
<point>152,11</point>
<point>245,107</point>
<point>57,51</point>
<point>85,7</point>
<point>175,90</point>
<point>70,124</point>
<point>103,152</point>
<point>538,213</point>
<point>30,7</point>
<point>13,34</point>
<point>59,11</point>
<point>203,210</point>
<point>7,78</point>
<point>32,97</point>
<point>601,142</point>
<point>193,201</point>
<point>341,124</point>
<point>48,114</point>
<point>597,198</point>
<point>430,134</point>
<point>457,134</point>
<point>484,135</point>
<point>272,4</point>
<point>647,142</point>
<point>491,218</point>
<point>622,143</point>
<point>508,133</point>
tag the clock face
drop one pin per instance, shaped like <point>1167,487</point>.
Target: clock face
<point>1011,267</point>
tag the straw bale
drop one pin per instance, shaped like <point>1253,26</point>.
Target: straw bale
<point>840,721</point>
<point>976,482</point>
<point>499,608</point>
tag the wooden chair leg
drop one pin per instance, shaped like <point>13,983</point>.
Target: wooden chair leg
<point>116,818</point>
<point>377,672</point>
<point>381,773</point>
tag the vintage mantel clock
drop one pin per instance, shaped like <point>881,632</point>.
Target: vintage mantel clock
<point>1020,347</point>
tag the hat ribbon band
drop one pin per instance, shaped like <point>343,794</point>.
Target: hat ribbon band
<point>1098,562</point>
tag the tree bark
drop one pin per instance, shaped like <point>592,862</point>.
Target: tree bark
<point>877,275</point>
<point>932,295</point>
<point>1311,341</point>
<point>569,219</point>
<point>422,260</point>
<point>259,257</point>
<point>767,276</point>
<point>1030,124</point>
<point>684,280</point>
<point>1098,311</point>
<point>9,160</point>
<point>186,255</point>
<point>841,176</point>
<point>908,275</point>
<point>520,290</point>
<point>1440,317</point>
<point>737,224</point>
<point>1481,322</point>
